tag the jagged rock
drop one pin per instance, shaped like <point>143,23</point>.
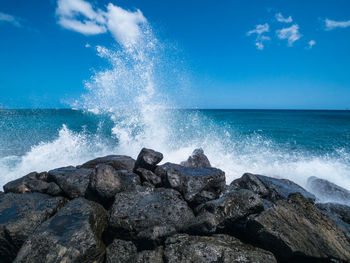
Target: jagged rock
<point>339,213</point>
<point>20,215</point>
<point>33,182</point>
<point>150,256</point>
<point>197,185</point>
<point>135,211</point>
<point>203,224</point>
<point>269,188</point>
<point>154,236</point>
<point>121,251</point>
<point>73,181</point>
<point>118,162</point>
<point>327,191</point>
<point>183,248</point>
<point>148,176</point>
<point>148,159</point>
<point>295,231</point>
<point>232,206</point>
<point>71,235</point>
<point>104,183</point>
<point>129,180</point>
<point>197,159</point>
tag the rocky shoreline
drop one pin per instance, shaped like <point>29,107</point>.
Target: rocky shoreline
<point>117,209</point>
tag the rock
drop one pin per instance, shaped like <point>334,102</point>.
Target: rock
<point>20,215</point>
<point>129,180</point>
<point>73,181</point>
<point>233,206</point>
<point>269,188</point>
<point>71,235</point>
<point>135,211</point>
<point>121,251</point>
<point>295,231</point>
<point>197,159</point>
<point>218,248</point>
<point>104,183</point>
<point>203,224</point>
<point>154,236</point>
<point>31,183</point>
<point>339,213</point>
<point>150,256</point>
<point>148,176</point>
<point>148,159</point>
<point>197,185</point>
<point>118,162</point>
<point>327,191</point>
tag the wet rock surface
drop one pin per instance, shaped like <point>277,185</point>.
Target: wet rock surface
<point>71,235</point>
<point>122,210</point>
<point>327,191</point>
<point>20,215</point>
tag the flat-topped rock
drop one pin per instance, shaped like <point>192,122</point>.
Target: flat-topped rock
<point>71,235</point>
<point>20,215</point>
<point>327,191</point>
<point>183,248</point>
<point>197,185</point>
<point>294,230</point>
<point>118,162</point>
<point>269,188</point>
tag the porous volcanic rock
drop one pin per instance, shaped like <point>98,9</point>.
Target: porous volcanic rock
<point>197,159</point>
<point>118,162</point>
<point>148,159</point>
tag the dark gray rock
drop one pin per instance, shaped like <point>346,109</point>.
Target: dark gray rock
<point>154,236</point>
<point>182,248</point>
<point>129,180</point>
<point>104,183</point>
<point>269,188</point>
<point>150,256</point>
<point>118,162</point>
<point>121,251</point>
<point>232,206</point>
<point>148,176</point>
<point>197,159</point>
<point>71,235</point>
<point>145,208</point>
<point>339,213</point>
<point>148,159</point>
<point>20,215</point>
<point>73,181</point>
<point>295,231</point>
<point>203,224</point>
<point>327,191</point>
<point>33,182</point>
<point>197,185</point>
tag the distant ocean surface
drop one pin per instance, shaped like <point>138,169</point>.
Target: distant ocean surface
<point>281,143</point>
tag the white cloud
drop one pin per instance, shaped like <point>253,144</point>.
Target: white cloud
<point>6,18</point>
<point>259,29</point>
<point>87,45</point>
<point>311,43</point>
<point>331,24</point>
<point>282,19</point>
<point>290,33</point>
<point>80,16</point>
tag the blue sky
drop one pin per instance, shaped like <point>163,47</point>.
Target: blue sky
<point>235,54</point>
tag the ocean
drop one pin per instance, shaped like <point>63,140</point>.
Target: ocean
<point>293,144</point>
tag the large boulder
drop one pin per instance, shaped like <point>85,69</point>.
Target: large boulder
<point>148,159</point>
<point>327,191</point>
<point>295,231</point>
<point>182,248</point>
<point>33,182</point>
<point>118,162</point>
<point>339,213</point>
<point>197,185</point>
<point>197,159</point>
<point>269,188</point>
<point>149,177</point>
<point>232,206</point>
<point>73,181</point>
<point>71,235</point>
<point>145,208</point>
<point>20,215</point>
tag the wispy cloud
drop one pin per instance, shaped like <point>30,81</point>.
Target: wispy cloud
<point>6,18</point>
<point>80,16</point>
<point>331,24</point>
<point>311,43</point>
<point>280,18</point>
<point>260,38</point>
<point>290,33</point>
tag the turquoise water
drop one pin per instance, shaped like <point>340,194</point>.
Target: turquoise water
<point>282,143</point>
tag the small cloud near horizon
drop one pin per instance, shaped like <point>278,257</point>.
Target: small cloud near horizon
<point>332,24</point>
<point>280,18</point>
<point>6,18</point>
